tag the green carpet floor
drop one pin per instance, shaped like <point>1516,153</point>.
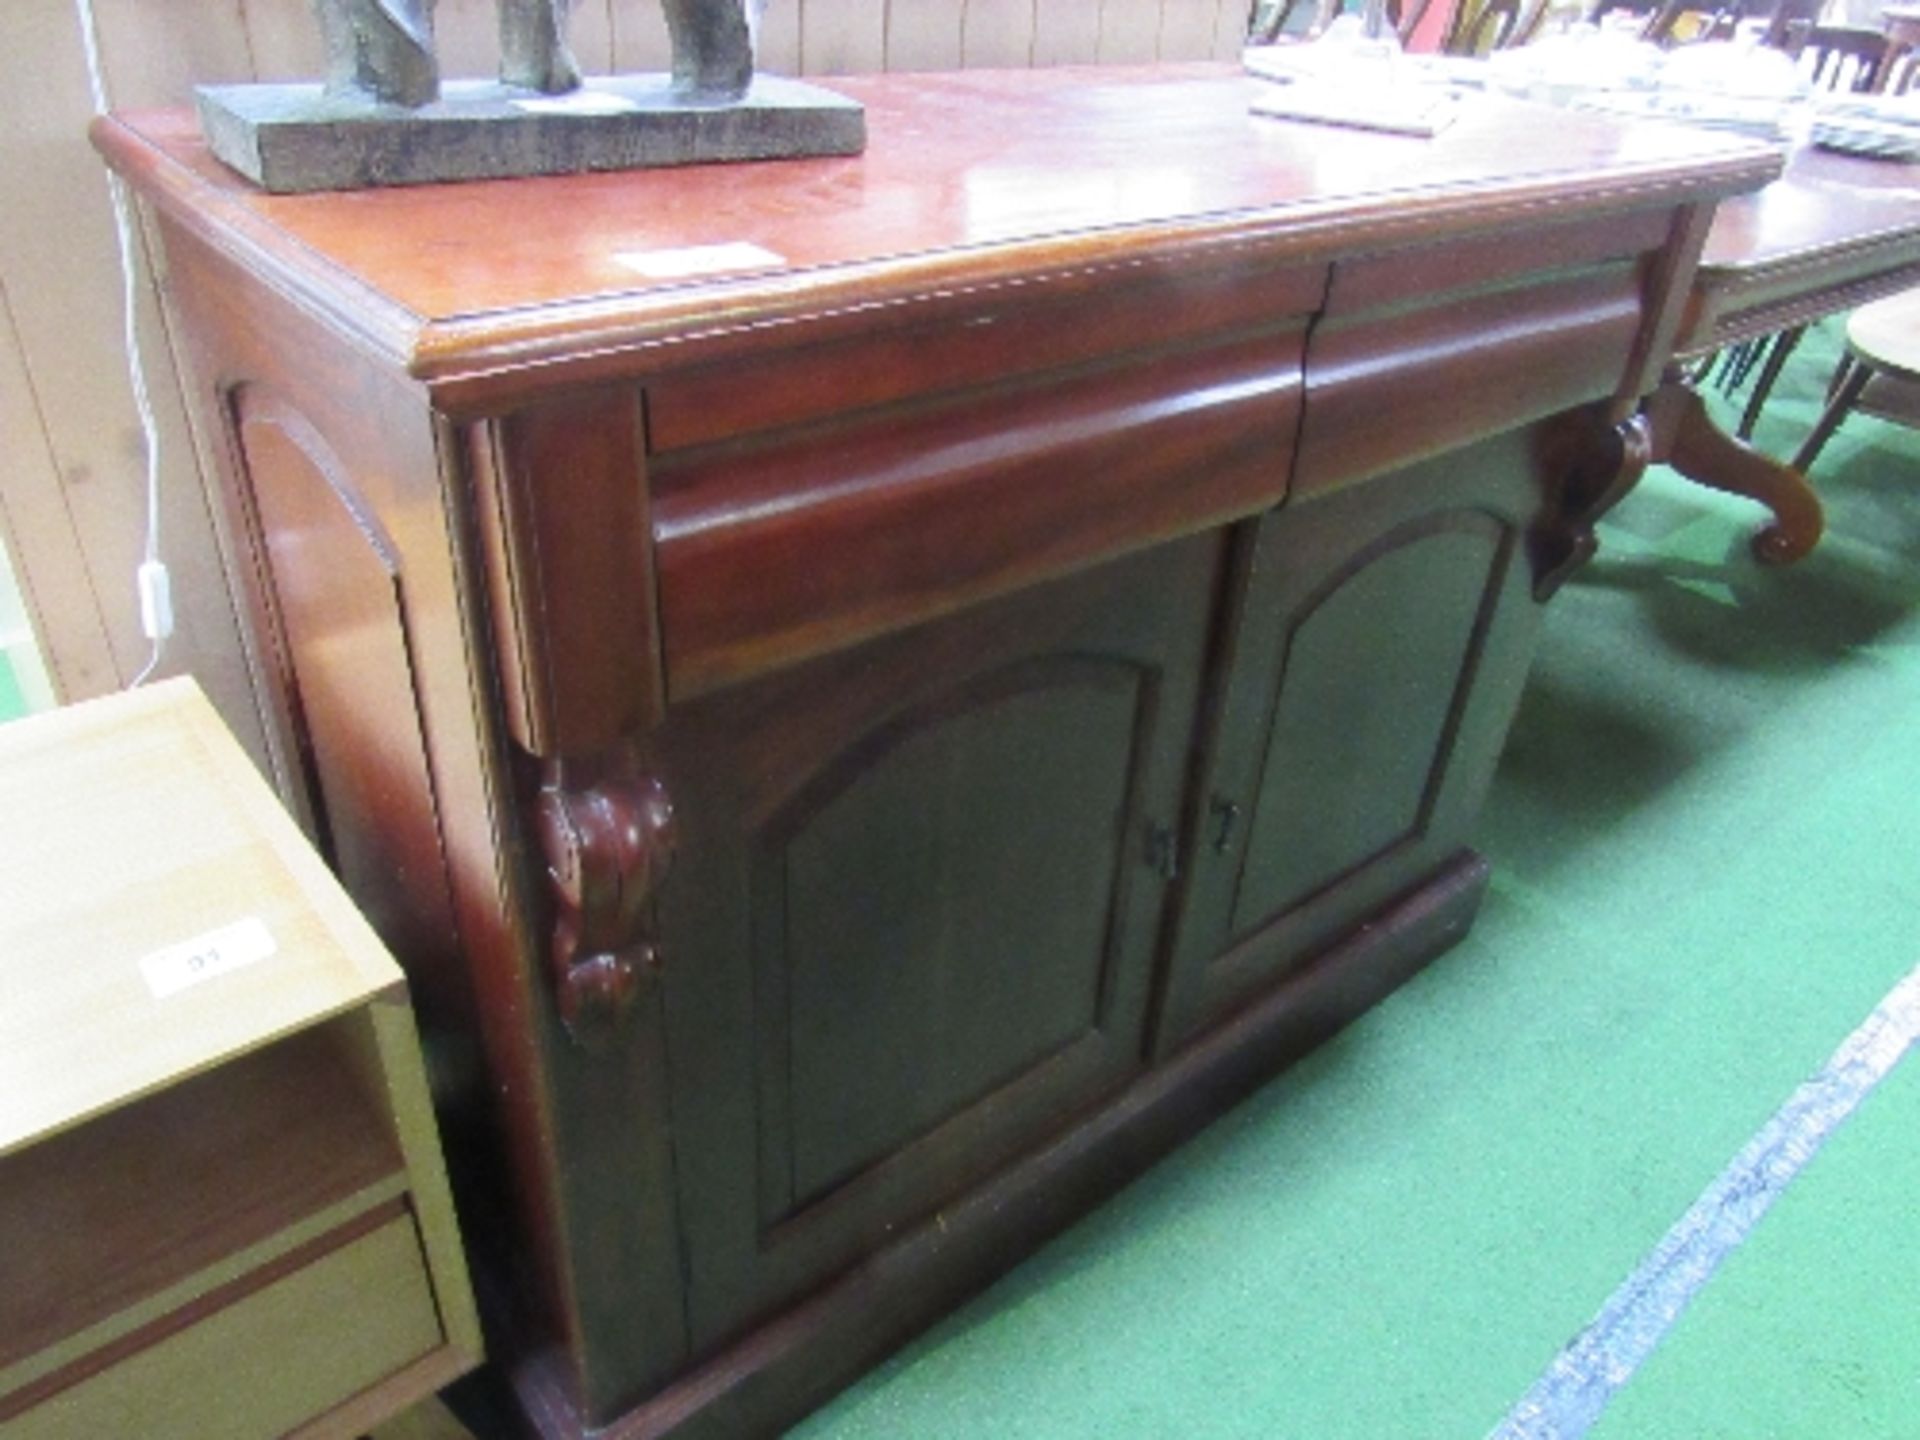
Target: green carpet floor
<point>1707,854</point>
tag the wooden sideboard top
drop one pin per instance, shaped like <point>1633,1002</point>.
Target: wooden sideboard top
<point>135,823</point>
<point>971,179</point>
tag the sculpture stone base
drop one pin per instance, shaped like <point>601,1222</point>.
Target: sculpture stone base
<point>289,138</point>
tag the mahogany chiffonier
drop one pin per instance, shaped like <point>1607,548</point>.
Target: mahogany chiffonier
<point>874,695</point>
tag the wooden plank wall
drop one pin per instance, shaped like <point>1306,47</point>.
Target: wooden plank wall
<point>71,503</point>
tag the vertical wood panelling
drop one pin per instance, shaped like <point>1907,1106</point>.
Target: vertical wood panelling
<point>1129,31</point>
<point>1187,29</point>
<point>591,35</point>
<point>843,37</point>
<point>1230,29</point>
<point>997,34</point>
<point>923,34</point>
<point>155,59</point>
<point>779,44</point>
<point>206,639</point>
<point>284,40</point>
<point>57,251</point>
<point>48,560</point>
<point>467,35</point>
<point>640,41</point>
<point>1066,32</point>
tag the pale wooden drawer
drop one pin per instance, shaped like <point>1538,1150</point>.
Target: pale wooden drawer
<point>272,1360</point>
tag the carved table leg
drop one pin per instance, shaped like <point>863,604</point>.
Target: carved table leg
<point>1686,438</point>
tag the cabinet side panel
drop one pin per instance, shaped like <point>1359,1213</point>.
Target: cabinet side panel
<point>337,591</point>
<point>492,1036</point>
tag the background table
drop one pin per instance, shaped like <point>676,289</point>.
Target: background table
<point>1834,232</point>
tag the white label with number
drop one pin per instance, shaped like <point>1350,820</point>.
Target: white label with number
<point>692,260</point>
<point>218,952</point>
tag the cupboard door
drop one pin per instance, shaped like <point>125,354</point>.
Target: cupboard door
<point>1382,637</point>
<point>913,919</point>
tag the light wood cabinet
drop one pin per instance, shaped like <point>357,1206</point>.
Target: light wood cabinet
<point>222,1206</point>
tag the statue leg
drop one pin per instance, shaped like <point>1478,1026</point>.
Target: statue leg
<point>533,46</point>
<point>380,49</point>
<point>712,51</point>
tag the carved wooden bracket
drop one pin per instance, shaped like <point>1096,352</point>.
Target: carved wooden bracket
<point>608,843</point>
<point>1606,463</point>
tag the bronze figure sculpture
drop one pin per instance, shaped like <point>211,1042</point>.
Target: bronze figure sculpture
<point>383,116</point>
<point>383,49</point>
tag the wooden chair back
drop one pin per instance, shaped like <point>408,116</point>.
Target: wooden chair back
<point>1276,20</point>
<point>1845,57</point>
<point>1494,25</point>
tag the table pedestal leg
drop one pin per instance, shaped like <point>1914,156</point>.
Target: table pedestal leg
<point>1685,437</point>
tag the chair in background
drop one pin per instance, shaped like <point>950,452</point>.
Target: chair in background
<point>1902,24</point>
<point>1691,21</point>
<point>1845,59</point>
<point>1789,23</point>
<point>1494,25</point>
<point>1683,21</point>
<point>1274,20</point>
<point>1277,20</point>
<point>1879,374</point>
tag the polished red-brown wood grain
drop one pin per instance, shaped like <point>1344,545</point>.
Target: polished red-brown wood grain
<point>568,539</point>
<point>473,987</point>
<point>801,545</point>
<point>969,180</point>
<point>1415,382</point>
<point>1834,232</point>
<point>1048,323</point>
<point>1420,274</point>
<point>975,339</point>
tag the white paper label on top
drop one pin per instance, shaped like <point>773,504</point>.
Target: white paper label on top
<point>699,260</point>
<point>218,952</point>
<point>578,102</point>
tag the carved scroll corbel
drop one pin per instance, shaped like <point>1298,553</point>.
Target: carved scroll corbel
<point>608,838</point>
<point>1606,461</point>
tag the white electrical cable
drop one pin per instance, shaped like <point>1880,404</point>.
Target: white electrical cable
<point>151,582</point>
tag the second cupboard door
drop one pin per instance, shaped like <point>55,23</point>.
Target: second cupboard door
<point>1381,640</point>
<point>913,922</point>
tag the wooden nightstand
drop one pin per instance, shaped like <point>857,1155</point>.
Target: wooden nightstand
<point>222,1205</point>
